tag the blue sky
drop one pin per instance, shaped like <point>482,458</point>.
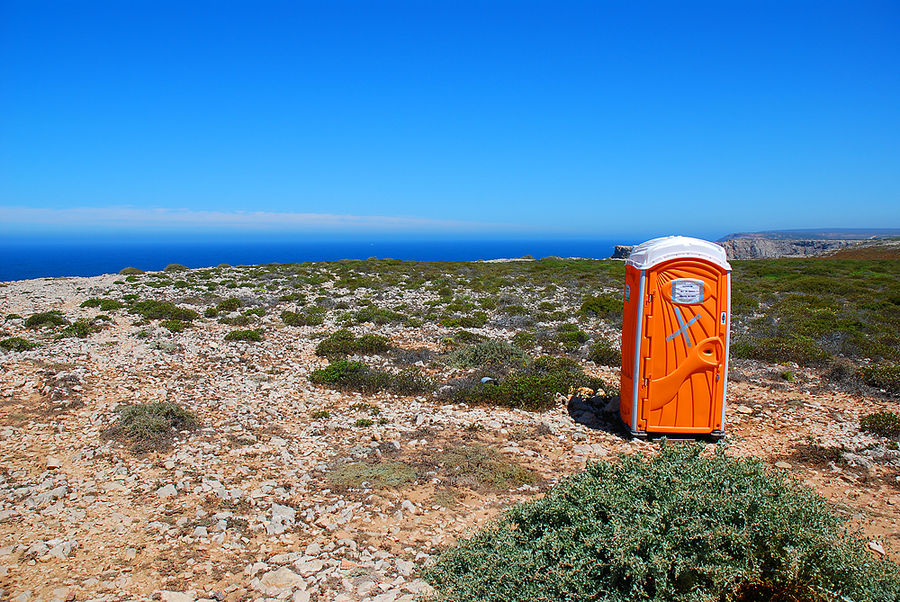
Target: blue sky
<point>593,119</point>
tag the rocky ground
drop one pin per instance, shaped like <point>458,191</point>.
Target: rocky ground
<point>248,506</point>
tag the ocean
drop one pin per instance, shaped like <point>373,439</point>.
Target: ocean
<point>30,259</point>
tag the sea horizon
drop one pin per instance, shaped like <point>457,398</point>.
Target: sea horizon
<point>29,259</point>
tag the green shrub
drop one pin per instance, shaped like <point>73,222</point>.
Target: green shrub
<point>357,376</point>
<point>801,350</point>
<point>570,337</point>
<point>244,335</point>
<point>476,320</point>
<point>321,414</point>
<point>886,424</point>
<point>524,340</point>
<point>103,304</point>
<point>464,337</point>
<point>488,303</point>
<point>236,320</point>
<point>229,305</point>
<point>80,328</point>
<point>173,325</point>
<point>255,311</point>
<point>163,310</point>
<point>343,342</point>
<point>534,389</point>
<point>308,318</point>
<point>51,318</point>
<point>210,312</point>
<point>12,317</point>
<point>131,271</point>
<point>298,298</point>
<point>548,363</point>
<point>679,526</point>
<point>363,422</point>
<point>883,376</point>
<point>110,305</point>
<point>175,267</point>
<point>17,344</point>
<point>151,425</point>
<point>606,306</point>
<point>514,310</point>
<point>603,353</point>
<point>378,315</point>
<point>487,353</point>
<point>337,372</point>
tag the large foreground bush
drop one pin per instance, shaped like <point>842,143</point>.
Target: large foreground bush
<point>678,526</point>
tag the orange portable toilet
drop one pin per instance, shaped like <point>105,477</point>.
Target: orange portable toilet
<point>675,335</point>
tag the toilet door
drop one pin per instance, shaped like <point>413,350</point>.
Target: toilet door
<point>684,365</point>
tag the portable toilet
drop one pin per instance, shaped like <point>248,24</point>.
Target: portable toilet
<point>675,336</point>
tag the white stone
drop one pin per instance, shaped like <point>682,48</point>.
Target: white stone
<point>404,567</point>
<point>170,596</point>
<point>167,491</point>
<point>876,547</point>
<point>275,582</point>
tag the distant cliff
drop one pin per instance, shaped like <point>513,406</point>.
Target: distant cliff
<point>862,243</point>
<point>764,248</point>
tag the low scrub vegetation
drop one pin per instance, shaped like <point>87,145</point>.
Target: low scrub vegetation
<point>17,344</point>
<point>534,388</point>
<point>81,328</point>
<point>229,305</point>
<point>163,310</point>
<point>103,304</point>
<point>886,424</point>
<point>808,311</point>
<point>174,325</point>
<point>357,376</point>
<point>605,354</point>
<point>149,426</point>
<point>380,475</point>
<point>46,319</point>
<point>477,466</point>
<point>608,306</point>
<point>304,318</point>
<point>244,335</point>
<point>570,337</point>
<point>378,315</point>
<point>344,342</point>
<point>677,526</point>
<point>883,376</point>
<point>488,353</point>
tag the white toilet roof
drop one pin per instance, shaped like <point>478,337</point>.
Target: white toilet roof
<point>652,252</point>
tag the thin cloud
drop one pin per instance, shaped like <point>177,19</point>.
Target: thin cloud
<point>162,219</point>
